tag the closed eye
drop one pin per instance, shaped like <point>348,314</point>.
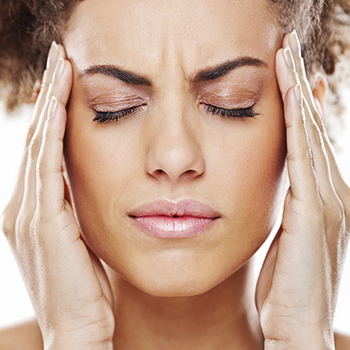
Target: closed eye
<point>106,117</point>
<point>231,113</point>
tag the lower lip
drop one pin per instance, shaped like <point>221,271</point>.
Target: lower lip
<point>173,227</point>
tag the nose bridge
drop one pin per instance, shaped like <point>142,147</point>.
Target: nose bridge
<point>174,150</point>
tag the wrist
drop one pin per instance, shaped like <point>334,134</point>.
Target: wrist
<point>311,340</point>
<point>73,341</point>
<point>63,345</point>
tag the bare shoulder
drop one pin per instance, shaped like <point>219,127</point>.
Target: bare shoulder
<point>24,335</point>
<point>342,341</point>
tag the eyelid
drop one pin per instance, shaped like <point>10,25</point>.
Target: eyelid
<point>104,105</point>
<point>228,96</point>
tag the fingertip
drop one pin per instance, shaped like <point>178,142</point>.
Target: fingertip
<point>61,52</point>
<point>286,40</point>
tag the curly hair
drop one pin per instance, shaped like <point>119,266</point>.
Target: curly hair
<point>27,28</point>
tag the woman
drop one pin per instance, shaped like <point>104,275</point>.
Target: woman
<point>137,212</point>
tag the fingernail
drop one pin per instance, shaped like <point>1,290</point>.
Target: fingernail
<point>297,90</point>
<point>295,43</point>
<point>288,56</point>
<point>52,57</point>
<point>52,107</point>
<point>58,69</point>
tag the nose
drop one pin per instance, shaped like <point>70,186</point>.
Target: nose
<point>174,154</point>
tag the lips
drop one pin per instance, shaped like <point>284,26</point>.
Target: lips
<point>165,219</point>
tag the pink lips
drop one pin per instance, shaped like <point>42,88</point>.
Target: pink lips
<point>164,219</point>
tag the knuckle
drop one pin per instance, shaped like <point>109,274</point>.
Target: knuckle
<point>305,155</point>
<point>335,212</point>
<point>315,132</point>
<point>49,91</point>
<point>42,168</point>
<point>317,214</point>
<point>8,222</point>
<point>34,147</point>
<point>30,134</point>
<point>299,64</point>
<point>56,89</point>
<point>346,203</point>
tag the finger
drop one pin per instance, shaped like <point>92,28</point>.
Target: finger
<point>321,163</point>
<point>60,88</point>
<point>56,52</point>
<point>330,170</point>
<point>316,144</point>
<point>12,209</point>
<point>291,40</point>
<point>299,155</point>
<point>50,183</point>
<point>300,162</point>
<point>319,154</point>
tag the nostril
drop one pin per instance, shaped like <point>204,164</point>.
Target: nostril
<point>159,172</point>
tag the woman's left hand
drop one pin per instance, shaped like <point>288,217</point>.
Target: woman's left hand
<point>298,285</point>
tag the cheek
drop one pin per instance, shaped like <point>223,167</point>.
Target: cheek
<point>101,164</point>
<point>251,173</point>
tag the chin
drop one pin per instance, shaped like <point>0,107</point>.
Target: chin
<point>179,274</point>
<point>177,286</point>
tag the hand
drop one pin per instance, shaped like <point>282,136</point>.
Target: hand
<point>66,283</point>
<point>298,285</point>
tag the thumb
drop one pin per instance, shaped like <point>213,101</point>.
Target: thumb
<point>266,274</point>
<point>102,277</point>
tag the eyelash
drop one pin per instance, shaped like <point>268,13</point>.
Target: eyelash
<point>106,117</point>
<point>232,113</point>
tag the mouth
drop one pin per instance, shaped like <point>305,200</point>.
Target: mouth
<point>166,219</point>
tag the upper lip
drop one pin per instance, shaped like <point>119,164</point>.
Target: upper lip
<point>182,208</point>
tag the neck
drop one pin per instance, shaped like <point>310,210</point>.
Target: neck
<point>222,318</point>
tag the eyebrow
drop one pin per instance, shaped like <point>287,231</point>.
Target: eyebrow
<point>115,72</point>
<point>226,67</point>
<point>204,75</point>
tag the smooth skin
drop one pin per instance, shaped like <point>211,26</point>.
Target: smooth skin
<point>296,293</point>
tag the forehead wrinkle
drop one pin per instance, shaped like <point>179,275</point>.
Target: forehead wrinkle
<point>174,52</point>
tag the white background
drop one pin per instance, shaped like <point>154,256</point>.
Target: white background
<point>14,302</point>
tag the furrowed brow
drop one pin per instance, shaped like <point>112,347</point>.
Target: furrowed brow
<point>117,73</point>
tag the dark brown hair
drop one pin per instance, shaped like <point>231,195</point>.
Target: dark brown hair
<point>27,28</point>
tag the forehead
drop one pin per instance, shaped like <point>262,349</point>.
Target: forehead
<point>145,35</point>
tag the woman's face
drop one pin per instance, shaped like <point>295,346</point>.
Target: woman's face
<point>174,68</point>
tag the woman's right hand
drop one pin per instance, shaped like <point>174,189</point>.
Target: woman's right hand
<point>67,285</point>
